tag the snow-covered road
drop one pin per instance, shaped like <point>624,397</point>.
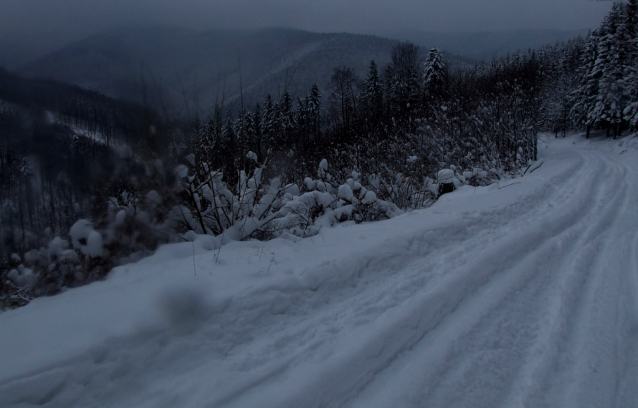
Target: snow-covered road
<point>520,294</point>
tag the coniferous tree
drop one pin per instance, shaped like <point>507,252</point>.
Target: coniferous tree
<point>241,129</point>
<point>229,149</point>
<point>302,119</point>
<point>343,101</point>
<point>557,99</point>
<point>403,81</point>
<point>314,112</point>
<point>608,111</point>
<point>372,95</point>
<point>630,82</point>
<point>287,118</point>
<point>269,124</point>
<point>586,94</point>
<point>257,126</point>
<point>434,74</point>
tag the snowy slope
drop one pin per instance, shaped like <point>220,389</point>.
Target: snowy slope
<point>517,294</point>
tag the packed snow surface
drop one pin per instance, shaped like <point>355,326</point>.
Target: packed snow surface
<point>520,294</point>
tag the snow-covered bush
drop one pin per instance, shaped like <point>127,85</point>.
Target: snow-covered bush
<point>86,240</point>
<point>12,293</point>
<point>407,192</point>
<point>43,271</point>
<point>265,210</point>
<point>208,205</point>
<point>134,226</point>
<point>322,205</point>
<point>129,230</point>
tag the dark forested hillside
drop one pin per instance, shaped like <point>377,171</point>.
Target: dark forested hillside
<point>62,150</point>
<point>189,71</point>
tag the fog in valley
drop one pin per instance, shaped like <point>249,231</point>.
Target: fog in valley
<point>356,16</point>
<point>32,28</point>
<point>195,53</point>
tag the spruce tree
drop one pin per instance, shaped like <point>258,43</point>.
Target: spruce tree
<point>630,81</point>
<point>314,111</point>
<point>372,95</point>
<point>256,143</point>
<point>608,111</point>
<point>403,81</point>
<point>269,123</point>
<point>434,75</point>
<point>585,96</point>
<point>287,118</point>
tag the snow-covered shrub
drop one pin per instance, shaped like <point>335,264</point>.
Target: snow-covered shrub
<point>407,192</point>
<point>58,265</point>
<point>12,294</point>
<point>86,240</point>
<point>134,226</point>
<point>210,207</point>
<point>478,177</point>
<point>264,210</point>
<point>322,205</point>
<point>46,271</point>
<point>131,228</point>
<point>447,181</point>
<point>22,277</point>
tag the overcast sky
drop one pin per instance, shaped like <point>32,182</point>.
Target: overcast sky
<point>361,16</point>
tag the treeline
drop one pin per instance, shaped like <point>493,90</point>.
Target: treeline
<point>416,113</point>
<point>412,117</point>
<point>607,93</point>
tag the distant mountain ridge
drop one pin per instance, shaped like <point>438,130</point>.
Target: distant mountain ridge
<point>192,70</point>
<point>188,71</point>
<point>483,46</point>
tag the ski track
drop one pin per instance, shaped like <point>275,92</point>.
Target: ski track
<point>537,308</point>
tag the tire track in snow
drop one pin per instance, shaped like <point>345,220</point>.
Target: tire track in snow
<point>496,217</point>
<point>336,296</point>
<point>471,361</point>
<point>627,390</point>
<point>575,302</point>
<point>533,280</point>
<point>424,321</point>
<point>247,337</point>
<point>335,333</point>
<point>602,346</point>
<point>535,315</point>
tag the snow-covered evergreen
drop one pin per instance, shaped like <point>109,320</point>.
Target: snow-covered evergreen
<point>605,98</point>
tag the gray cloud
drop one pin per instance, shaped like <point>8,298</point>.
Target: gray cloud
<point>362,16</point>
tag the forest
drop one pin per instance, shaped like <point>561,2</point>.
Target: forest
<point>89,182</point>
